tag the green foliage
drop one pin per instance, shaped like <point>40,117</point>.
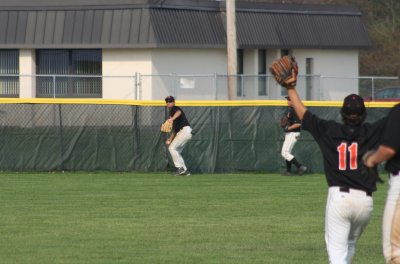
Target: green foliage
<point>158,218</point>
<point>382,18</point>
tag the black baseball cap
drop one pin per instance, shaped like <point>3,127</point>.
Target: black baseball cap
<point>353,104</point>
<point>169,99</point>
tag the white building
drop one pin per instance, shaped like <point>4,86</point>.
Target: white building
<point>147,49</point>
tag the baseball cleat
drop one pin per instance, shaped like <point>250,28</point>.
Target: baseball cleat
<point>185,173</point>
<point>302,169</point>
<point>287,173</point>
<point>179,172</point>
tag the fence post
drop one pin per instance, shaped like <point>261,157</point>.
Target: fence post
<point>321,88</point>
<point>373,89</point>
<point>174,82</point>
<point>215,86</point>
<point>61,138</point>
<point>137,85</point>
<point>54,86</point>
<point>241,85</point>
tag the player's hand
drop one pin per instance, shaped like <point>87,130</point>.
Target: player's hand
<point>367,159</point>
<point>168,141</point>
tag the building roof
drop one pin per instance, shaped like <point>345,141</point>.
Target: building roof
<point>176,24</point>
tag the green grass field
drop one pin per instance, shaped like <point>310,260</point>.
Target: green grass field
<point>159,218</point>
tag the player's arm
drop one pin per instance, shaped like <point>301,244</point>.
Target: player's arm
<point>390,143</point>
<point>382,154</point>
<point>284,71</point>
<point>176,115</point>
<point>297,104</point>
<point>171,137</point>
<point>293,127</point>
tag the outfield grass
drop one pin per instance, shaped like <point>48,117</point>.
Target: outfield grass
<point>158,218</point>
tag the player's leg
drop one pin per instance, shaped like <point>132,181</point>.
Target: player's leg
<point>391,222</point>
<point>175,153</point>
<point>337,226</point>
<point>177,145</point>
<point>363,207</point>
<point>288,166</point>
<point>290,140</point>
<point>287,147</point>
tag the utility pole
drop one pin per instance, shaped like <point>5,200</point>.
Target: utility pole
<point>231,47</point>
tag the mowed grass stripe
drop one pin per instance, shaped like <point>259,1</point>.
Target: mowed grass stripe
<point>158,218</point>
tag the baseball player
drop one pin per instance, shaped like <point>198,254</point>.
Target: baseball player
<point>349,202</point>
<point>181,134</point>
<point>292,134</point>
<point>389,150</point>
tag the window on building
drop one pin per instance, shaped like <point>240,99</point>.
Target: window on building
<point>262,71</point>
<point>309,78</point>
<point>239,81</point>
<point>69,73</point>
<point>9,71</point>
<point>285,52</point>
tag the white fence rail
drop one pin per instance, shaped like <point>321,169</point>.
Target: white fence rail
<point>188,86</point>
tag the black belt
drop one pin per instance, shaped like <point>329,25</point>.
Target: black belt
<point>347,190</point>
<point>394,174</point>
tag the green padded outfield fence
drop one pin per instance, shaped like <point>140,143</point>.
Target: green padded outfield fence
<point>109,135</point>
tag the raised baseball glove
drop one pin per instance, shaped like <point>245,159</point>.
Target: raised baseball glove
<point>284,71</point>
<point>166,127</point>
<point>284,121</point>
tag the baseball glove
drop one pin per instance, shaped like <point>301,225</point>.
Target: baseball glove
<point>284,121</point>
<point>284,71</point>
<point>166,127</point>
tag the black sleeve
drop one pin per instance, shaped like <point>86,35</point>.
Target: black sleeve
<point>391,134</point>
<point>295,118</point>
<point>174,109</point>
<point>313,124</point>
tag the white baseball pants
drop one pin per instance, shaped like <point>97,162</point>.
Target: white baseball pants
<point>177,144</point>
<point>287,147</point>
<point>346,216</point>
<point>391,222</point>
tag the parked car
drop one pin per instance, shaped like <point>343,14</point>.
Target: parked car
<point>388,94</point>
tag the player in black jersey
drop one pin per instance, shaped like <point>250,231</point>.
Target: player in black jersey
<point>292,135</point>
<point>181,134</point>
<point>349,202</point>
<point>389,150</point>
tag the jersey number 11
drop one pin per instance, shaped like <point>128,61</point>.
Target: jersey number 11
<point>352,149</point>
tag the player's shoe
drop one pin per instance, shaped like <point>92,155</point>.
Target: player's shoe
<point>287,173</point>
<point>179,171</point>
<point>185,173</point>
<point>302,169</point>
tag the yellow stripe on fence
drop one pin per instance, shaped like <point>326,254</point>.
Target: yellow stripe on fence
<point>180,102</point>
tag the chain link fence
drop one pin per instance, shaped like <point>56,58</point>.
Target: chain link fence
<point>195,87</point>
<point>92,137</point>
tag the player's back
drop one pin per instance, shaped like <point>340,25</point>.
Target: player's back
<point>342,147</point>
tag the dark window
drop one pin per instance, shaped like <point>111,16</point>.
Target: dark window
<point>239,82</point>
<point>9,71</point>
<point>74,73</point>
<point>285,52</point>
<point>262,71</point>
